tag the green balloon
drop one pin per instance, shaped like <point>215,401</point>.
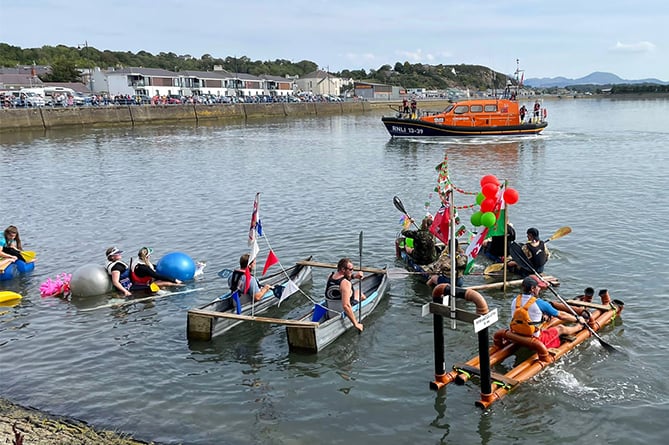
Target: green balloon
<point>479,198</point>
<point>488,219</point>
<point>476,219</point>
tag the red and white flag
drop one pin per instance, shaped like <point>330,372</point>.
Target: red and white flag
<point>255,228</point>
<point>439,227</point>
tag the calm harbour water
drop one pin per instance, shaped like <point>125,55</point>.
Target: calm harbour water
<point>600,168</point>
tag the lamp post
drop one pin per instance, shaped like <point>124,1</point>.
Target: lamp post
<point>90,70</point>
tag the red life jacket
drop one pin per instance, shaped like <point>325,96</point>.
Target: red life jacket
<point>140,281</point>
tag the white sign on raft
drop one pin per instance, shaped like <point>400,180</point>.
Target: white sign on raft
<point>485,320</point>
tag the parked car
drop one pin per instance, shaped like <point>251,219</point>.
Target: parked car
<point>81,99</point>
<point>174,99</point>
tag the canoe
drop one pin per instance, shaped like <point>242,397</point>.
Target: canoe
<point>320,328</point>
<point>222,314</point>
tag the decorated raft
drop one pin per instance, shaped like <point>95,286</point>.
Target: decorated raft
<point>494,386</point>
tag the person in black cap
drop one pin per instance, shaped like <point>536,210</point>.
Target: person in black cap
<point>540,310</point>
<point>118,271</point>
<point>537,254</point>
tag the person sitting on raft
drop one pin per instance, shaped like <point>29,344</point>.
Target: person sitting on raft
<point>538,309</point>
<point>118,271</point>
<point>143,272</point>
<point>11,243</point>
<point>536,252</point>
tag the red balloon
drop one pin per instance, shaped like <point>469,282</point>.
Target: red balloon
<point>489,179</point>
<point>490,190</point>
<point>510,196</point>
<point>488,205</point>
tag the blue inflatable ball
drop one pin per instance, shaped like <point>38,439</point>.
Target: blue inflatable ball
<point>90,280</point>
<point>177,265</point>
<point>24,267</point>
<point>10,272</point>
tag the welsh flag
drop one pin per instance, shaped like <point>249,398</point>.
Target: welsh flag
<point>500,213</point>
<point>475,245</point>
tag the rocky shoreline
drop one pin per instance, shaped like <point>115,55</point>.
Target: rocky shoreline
<point>27,426</point>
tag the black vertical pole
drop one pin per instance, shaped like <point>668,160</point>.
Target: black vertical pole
<point>438,329</point>
<point>484,363</point>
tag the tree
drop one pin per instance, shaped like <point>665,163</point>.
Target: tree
<point>62,70</point>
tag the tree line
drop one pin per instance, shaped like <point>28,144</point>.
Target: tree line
<point>65,62</point>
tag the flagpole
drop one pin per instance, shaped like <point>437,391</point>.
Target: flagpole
<point>506,222</point>
<point>454,273</point>
<point>360,282</point>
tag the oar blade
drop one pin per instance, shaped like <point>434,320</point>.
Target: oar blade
<point>559,233</point>
<point>397,202</point>
<point>28,255</point>
<point>496,267</point>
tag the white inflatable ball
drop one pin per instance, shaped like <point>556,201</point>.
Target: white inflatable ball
<point>89,280</point>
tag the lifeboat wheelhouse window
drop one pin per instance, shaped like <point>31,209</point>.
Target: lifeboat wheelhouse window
<point>492,108</point>
<point>448,108</point>
<point>461,109</point>
<point>476,108</point>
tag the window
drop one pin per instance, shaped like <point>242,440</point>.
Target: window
<point>461,109</point>
<point>491,108</point>
<point>476,108</point>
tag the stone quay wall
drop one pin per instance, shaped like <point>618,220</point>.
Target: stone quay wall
<point>18,119</point>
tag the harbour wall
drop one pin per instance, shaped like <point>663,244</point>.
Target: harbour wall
<point>19,119</point>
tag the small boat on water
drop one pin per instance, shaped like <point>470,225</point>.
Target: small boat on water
<point>532,356</point>
<point>321,326</point>
<point>471,117</point>
<point>224,313</point>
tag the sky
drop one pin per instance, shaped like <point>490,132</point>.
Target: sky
<point>548,38</point>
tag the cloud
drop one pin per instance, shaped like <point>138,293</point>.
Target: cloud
<point>639,47</point>
<point>418,56</point>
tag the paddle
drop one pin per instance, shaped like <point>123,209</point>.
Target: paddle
<point>559,233</point>
<point>360,281</point>
<point>399,206</point>
<point>28,255</point>
<point>528,266</point>
<point>9,297</point>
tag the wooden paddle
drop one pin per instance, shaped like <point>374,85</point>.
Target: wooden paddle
<point>559,233</point>
<point>400,206</point>
<point>528,266</point>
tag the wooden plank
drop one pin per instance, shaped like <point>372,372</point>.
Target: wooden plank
<point>603,307</point>
<point>445,311</point>
<point>334,266</point>
<point>281,321</point>
<point>554,281</point>
<point>4,264</point>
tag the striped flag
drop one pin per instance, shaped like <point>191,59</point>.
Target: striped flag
<point>255,228</point>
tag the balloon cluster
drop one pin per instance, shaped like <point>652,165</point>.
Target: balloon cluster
<point>487,200</point>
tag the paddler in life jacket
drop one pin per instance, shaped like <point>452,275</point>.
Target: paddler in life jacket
<point>539,310</point>
<point>339,292</point>
<point>143,272</point>
<point>237,281</point>
<point>536,252</point>
<point>118,271</point>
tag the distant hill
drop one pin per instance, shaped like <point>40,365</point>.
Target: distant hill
<point>596,78</point>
